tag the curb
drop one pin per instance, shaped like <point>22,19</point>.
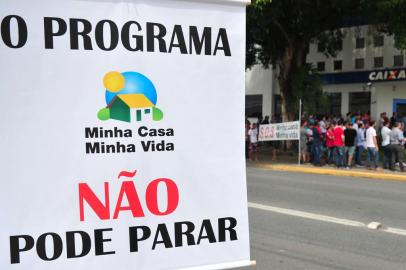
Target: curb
<point>304,169</point>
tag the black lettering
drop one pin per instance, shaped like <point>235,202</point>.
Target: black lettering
<point>6,31</point>
<point>135,237</point>
<point>99,240</point>
<point>108,133</point>
<point>178,33</point>
<point>75,33</point>
<point>15,248</point>
<point>206,227</point>
<point>125,37</point>
<point>113,35</point>
<point>91,132</point>
<point>49,30</point>
<point>143,131</point>
<point>151,36</point>
<point>71,244</point>
<point>197,43</point>
<point>147,145</point>
<point>222,36</point>
<point>166,240</point>
<point>188,233</point>
<point>93,148</point>
<point>57,246</point>
<point>110,148</point>
<point>230,228</point>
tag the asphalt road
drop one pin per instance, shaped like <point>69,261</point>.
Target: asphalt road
<point>287,231</point>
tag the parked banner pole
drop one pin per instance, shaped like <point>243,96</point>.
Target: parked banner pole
<point>300,126</point>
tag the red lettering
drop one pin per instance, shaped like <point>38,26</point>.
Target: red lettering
<point>129,192</point>
<point>86,194</point>
<point>152,196</point>
<point>128,189</point>
<point>393,75</point>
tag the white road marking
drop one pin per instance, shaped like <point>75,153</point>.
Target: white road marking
<point>324,218</point>
<point>394,230</point>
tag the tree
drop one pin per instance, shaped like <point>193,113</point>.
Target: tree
<point>279,33</point>
<point>389,16</point>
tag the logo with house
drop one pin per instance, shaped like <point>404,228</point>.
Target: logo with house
<point>129,91</point>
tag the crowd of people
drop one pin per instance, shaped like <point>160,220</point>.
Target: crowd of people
<point>344,142</point>
<point>355,140</point>
<point>251,137</point>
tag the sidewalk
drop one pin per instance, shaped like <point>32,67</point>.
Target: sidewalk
<point>380,174</point>
<point>288,163</point>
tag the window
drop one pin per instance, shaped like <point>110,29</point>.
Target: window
<point>338,65</point>
<point>359,63</point>
<point>360,43</point>
<point>321,66</point>
<point>398,60</point>
<point>360,102</point>
<point>253,105</point>
<point>378,62</point>
<point>378,41</point>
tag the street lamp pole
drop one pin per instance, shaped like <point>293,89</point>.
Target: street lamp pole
<point>300,122</point>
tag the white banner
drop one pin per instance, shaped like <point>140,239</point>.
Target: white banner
<point>279,132</point>
<point>114,150</point>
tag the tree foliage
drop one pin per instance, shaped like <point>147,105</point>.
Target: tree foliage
<point>279,33</point>
<point>390,18</point>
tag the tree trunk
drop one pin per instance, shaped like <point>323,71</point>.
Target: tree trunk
<point>293,58</point>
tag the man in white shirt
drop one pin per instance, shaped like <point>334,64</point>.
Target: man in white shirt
<point>253,135</point>
<point>387,154</point>
<point>372,145</point>
<point>323,126</point>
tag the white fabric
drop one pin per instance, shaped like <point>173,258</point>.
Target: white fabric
<point>253,133</point>
<point>371,133</point>
<point>385,136</point>
<point>49,97</point>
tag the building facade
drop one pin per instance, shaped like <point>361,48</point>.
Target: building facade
<point>367,75</point>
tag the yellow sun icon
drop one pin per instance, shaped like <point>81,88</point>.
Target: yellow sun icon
<point>114,81</point>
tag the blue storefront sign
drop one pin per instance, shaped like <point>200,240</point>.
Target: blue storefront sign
<point>364,76</point>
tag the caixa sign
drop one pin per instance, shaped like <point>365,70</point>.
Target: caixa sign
<point>388,75</point>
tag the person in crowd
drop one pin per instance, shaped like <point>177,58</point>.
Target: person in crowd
<point>397,141</point>
<point>303,141</point>
<point>323,126</point>
<point>348,117</point>
<point>330,143</point>
<point>393,119</point>
<point>260,119</point>
<point>311,120</point>
<point>356,122</point>
<point>361,144</point>
<point>385,133</point>
<point>372,145</point>
<point>365,117</point>
<point>380,122</point>
<point>253,134</point>
<point>265,121</point>
<point>349,139</point>
<point>317,143</point>
<point>247,138</point>
<point>339,144</point>
<point>309,143</point>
